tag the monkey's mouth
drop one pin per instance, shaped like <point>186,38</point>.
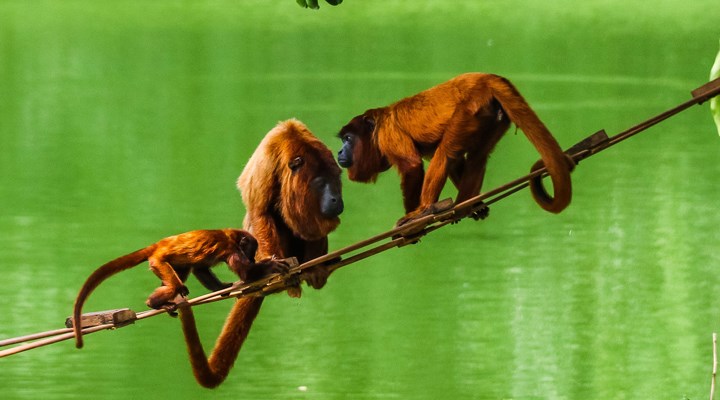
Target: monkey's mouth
<point>344,162</point>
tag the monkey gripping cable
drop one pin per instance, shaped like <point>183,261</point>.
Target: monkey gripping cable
<point>442,213</point>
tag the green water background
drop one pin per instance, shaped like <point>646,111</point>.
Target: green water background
<point>126,121</point>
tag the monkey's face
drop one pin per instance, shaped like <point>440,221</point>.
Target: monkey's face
<point>312,192</point>
<point>359,154</point>
<point>328,192</point>
<point>345,155</point>
<point>323,184</point>
<point>353,137</point>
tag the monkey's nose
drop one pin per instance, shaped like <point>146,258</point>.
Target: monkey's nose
<point>333,207</point>
<point>339,206</point>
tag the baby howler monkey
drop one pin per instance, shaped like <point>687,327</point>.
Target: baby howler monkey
<point>173,259</point>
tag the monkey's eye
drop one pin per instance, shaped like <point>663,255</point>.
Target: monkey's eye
<point>347,138</point>
<point>317,183</point>
<point>296,163</point>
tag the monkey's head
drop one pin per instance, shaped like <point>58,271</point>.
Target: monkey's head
<point>241,258</point>
<point>311,190</point>
<point>360,153</point>
<point>245,247</point>
<point>296,175</point>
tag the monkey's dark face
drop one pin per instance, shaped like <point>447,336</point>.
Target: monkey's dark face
<point>345,155</point>
<point>324,184</point>
<point>359,154</point>
<point>329,192</point>
<point>350,134</point>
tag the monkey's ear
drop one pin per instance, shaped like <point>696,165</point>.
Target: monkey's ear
<point>296,163</point>
<point>369,122</point>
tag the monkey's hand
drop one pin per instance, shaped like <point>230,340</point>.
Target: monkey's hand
<point>317,277</point>
<point>277,266</point>
<point>291,281</point>
<point>263,268</point>
<point>183,291</point>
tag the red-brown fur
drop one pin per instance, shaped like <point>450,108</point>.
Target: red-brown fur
<point>172,259</point>
<point>457,125</point>
<point>283,213</point>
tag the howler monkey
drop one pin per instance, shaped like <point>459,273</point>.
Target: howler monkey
<point>456,124</point>
<point>292,193</point>
<point>173,258</point>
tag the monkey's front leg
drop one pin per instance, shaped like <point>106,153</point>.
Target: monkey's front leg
<point>163,297</point>
<point>411,183</point>
<point>432,185</point>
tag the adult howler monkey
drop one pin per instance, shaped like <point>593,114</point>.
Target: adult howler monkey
<point>292,193</point>
<point>173,258</point>
<point>456,124</point>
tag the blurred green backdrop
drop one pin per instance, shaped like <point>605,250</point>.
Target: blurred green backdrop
<point>122,122</point>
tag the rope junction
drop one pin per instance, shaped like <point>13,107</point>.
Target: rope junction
<point>442,213</point>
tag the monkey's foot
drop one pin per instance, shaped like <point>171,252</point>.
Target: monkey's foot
<point>292,282</point>
<point>477,212</point>
<point>435,208</point>
<point>412,216</point>
<point>171,309</point>
<point>171,306</point>
<point>294,292</point>
<point>317,278</point>
<point>480,211</point>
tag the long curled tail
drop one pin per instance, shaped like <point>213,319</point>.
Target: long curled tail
<point>211,372</point>
<point>557,163</point>
<point>97,277</point>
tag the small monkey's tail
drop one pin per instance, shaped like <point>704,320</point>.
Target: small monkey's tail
<point>557,163</point>
<point>97,277</point>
